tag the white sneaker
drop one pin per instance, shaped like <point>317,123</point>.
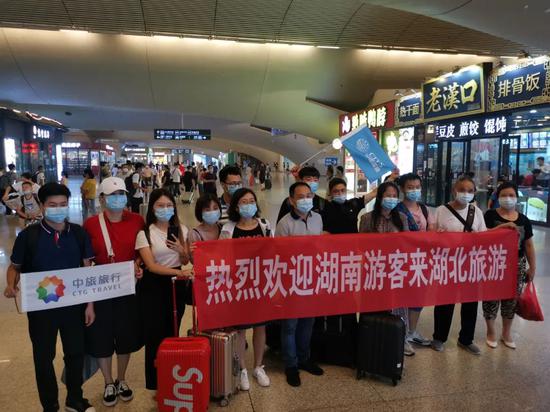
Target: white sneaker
<point>245,383</point>
<point>261,376</point>
<point>408,349</point>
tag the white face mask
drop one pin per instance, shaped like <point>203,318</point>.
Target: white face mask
<point>464,197</point>
<point>508,203</point>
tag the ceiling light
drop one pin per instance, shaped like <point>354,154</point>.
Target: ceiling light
<point>74,31</point>
<point>546,117</point>
<point>328,47</point>
<point>301,46</point>
<point>532,111</point>
<point>222,42</point>
<point>337,144</point>
<point>196,39</point>
<point>165,37</point>
<point>519,117</point>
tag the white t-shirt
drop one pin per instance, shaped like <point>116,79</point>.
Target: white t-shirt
<point>30,205</point>
<point>176,175</point>
<point>448,222</point>
<point>163,254</point>
<point>18,187</point>
<point>136,179</point>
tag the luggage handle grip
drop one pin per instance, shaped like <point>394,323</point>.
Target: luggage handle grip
<point>175,309</point>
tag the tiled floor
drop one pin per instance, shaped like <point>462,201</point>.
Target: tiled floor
<point>499,380</point>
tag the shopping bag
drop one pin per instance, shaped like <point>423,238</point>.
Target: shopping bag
<point>528,306</point>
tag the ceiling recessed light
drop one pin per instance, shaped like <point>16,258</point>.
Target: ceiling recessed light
<point>532,111</point>
<point>519,117</point>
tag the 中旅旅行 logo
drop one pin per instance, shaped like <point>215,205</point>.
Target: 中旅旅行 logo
<point>50,289</point>
<point>362,145</point>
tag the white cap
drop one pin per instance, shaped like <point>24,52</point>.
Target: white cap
<point>111,185</point>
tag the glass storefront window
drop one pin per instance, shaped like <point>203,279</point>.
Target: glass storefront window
<point>399,145</point>
<point>484,157</point>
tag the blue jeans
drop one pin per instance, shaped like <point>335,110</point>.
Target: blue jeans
<point>295,340</point>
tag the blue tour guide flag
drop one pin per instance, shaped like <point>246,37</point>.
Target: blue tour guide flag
<point>367,153</point>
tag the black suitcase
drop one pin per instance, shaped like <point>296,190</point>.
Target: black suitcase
<point>334,340</point>
<point>381,340</point>
<point>268,184</point>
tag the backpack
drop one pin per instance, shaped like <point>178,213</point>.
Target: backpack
<point>229,228</point>
<point>31,243</point>
<point>129,183</point>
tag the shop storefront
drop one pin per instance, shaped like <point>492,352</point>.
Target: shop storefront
<point>135,153</point>
<point>478,145</point>
<point>506,142</point>
<point>78,156</point>
<point>378,118</point>
<point>523,90</point>
<point>29,141</point>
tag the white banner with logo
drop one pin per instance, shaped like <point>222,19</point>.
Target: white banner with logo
<point>59,288</point>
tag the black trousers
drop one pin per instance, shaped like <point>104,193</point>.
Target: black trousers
<point>155,297</point>
<point>443,318</point>
<point>43,328</point>
<point>135,202</point>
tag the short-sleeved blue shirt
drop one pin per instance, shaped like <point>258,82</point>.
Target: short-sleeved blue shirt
<point>55,250</point>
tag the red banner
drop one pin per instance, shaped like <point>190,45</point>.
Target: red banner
<point>251,280</point>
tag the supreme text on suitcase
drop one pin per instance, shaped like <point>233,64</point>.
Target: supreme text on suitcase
<point>380,351</point>
<point>183,369</point>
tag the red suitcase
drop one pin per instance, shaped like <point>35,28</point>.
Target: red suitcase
<point>183,370</point>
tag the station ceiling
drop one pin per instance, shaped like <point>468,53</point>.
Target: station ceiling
<point>124,75</point>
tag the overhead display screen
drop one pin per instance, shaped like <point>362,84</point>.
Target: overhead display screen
<point>182,134</point>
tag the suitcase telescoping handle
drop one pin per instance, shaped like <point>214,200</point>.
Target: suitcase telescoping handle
<point>175,307</point>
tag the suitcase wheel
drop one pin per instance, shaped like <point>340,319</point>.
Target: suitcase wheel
<point>394,381</point>
<point>224,402</point>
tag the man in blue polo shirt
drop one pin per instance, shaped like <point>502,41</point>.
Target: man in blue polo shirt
<point>54,244</point>
<point>296,333</point>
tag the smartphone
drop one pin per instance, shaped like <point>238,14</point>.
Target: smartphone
<point>173,233</point>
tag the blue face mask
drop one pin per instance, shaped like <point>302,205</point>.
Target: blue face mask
<point>211,217</point>
<point>116,202</point>
<point>389,203</point>
<point>304,205</point>
<point>231,189</point>
<point>164,214</point>
<point>340,199</point>
<point>313,186</point>
<point>414,195</point>
<point>248,211</point>
<point>57,214</point>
